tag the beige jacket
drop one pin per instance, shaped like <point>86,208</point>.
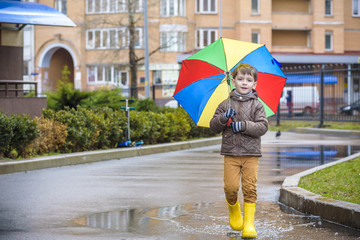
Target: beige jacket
<point>251,113</point>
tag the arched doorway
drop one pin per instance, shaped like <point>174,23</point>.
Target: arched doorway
<point>51,64</point>
<point>59,60</point>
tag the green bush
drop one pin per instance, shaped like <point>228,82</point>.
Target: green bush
<point>112,128</point>
<point>16,133</point>
<point>91,128</point>
<point>52,137</point>
<point>159,132</point>
<point>104,97</point>
<point>155,128</point>
<point>88,129</point>
<point>197,131</point>
<point>6,134</point>
<point>65,96</point>
<point>179,126</point>
<point>146,105</point>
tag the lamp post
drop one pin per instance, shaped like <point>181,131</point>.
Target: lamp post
<point>220,18</point>
<point>146,53</point>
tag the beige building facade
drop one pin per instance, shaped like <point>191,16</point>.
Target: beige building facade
<point>96,50</point>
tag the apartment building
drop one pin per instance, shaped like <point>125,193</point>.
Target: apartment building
<point>96,51</point>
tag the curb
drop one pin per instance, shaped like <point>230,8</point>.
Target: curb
<point>307,202</point>
<point>334,132</point>
<point>100,155</point>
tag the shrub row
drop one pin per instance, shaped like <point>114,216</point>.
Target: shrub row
<point>84,129</point>
<point>87,129</point>
<point>16,133</point>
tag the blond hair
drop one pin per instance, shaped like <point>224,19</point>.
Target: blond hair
<point>245,68</point>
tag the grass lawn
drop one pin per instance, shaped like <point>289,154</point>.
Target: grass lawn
<point>289,125</point>
<point>341,182</point>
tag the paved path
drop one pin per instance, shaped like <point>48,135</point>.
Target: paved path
<point>176,195</point>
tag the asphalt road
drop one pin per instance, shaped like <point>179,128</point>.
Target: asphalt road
<point>176,195</point>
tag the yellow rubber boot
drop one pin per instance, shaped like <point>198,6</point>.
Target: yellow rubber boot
<point>235,217</point>
<point>249,223</point>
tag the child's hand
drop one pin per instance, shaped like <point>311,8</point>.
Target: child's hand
<point>236,126</point>
<point>229,114</point>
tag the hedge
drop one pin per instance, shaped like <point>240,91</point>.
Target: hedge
<point>83,129</point>
<point>16,133</point>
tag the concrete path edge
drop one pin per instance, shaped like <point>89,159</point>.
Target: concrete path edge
<point>100,155</point>
<point>304,201</point>
<point>333,132</point>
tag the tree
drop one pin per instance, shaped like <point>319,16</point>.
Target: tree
<point>133,59</point>
<point>131,20</point>
<point>65,95</point>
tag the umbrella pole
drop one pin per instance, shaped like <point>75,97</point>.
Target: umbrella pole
<point>229,90</point>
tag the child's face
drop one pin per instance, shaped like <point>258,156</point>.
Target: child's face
<point>244,83</point>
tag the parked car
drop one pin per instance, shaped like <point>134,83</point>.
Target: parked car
<point>172,104</point>
<point>351,109</point>
<point>305,100</point>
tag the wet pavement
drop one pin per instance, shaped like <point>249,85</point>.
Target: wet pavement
<point>176,195</point>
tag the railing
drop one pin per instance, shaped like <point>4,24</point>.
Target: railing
<point>8,87</point>
<point>334,89</point>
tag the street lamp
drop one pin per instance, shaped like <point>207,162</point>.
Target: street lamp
<point>146,53</point>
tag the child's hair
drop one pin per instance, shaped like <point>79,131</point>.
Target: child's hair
<point>245,68</point>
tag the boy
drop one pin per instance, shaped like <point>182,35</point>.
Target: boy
<point>241,145</point>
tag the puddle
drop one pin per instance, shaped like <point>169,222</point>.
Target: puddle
<point>204,220</point>
<point>296,159</point>
<point>156,221</point>
<point>209,221</point>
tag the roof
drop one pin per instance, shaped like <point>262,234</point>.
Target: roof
<point>308,78</point>
<point>33,14</point>
<point>316,58</point>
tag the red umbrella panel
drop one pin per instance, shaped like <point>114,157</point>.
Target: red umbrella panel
<point>202,83</point>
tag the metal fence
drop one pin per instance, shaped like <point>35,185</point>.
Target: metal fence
<point>318,95</point>
<point>321,95</point>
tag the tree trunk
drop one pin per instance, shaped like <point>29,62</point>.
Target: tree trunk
<point>132,56</point>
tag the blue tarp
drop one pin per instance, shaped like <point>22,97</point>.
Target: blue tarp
<point>308,78</point>
<point>33,14</point>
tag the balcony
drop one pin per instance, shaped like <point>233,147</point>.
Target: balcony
<point>291,21</point>
<point>14,101</point>
<point>291,41</point>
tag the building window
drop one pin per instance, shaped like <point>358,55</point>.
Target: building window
<point>111,6</point>
<point>328,41</point>
<point>91,74</point>
<point>61,6</point>
<point>356,8</point>
<point>172,41</point>
<point>99,74</point>
<point>206,6</point>
<point>255,7</point>
<point>170,8</point>
<point>121,77</point>
<point>328,8</point>
<point>157,77</point>
<point>108,74</point>
<point>110,38</point>
<point>205,37</point>
<point>255,36</point>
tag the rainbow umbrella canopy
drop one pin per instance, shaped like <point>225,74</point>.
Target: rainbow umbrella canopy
<point>203,85</point>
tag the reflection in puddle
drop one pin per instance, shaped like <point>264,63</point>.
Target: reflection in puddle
<point>210,220</point>
<point>290,158</point>
<point>143,220</point>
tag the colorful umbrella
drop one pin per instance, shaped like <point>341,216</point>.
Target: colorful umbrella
<point>202,82</point>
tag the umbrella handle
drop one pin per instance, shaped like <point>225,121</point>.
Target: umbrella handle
<point>229,121</point>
